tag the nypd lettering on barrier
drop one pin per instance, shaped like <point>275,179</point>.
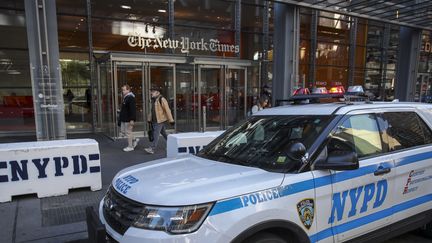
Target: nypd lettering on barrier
<point>369,192</point>
<point>259,197</point>
<point>190,149</point>
<point>124,184</point>
<point>19,169</point>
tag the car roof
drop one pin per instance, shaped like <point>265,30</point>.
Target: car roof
<point>340,108</point>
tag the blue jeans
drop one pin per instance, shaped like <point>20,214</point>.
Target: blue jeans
<point>158,128</point>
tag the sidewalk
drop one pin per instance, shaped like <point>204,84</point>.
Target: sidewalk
<point>62,219</point>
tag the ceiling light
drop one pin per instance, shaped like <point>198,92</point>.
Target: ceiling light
<point>162,11</point>
<point>125,6</point>
<point>81,20</point>
<point>13,72</point>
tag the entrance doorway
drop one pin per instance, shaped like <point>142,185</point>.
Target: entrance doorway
<point>203,94</point>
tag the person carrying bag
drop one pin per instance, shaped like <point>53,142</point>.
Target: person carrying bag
<point>159,115</point>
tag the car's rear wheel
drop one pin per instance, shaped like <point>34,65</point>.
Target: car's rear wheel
<point>265,238</point>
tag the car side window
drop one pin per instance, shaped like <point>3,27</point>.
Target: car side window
<point>406,130</point>
<point>358,133</point>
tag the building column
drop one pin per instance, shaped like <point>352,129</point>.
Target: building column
<point>286,45</point>
<point>41,22</point>
<point>313,49</point>
<point>408,58</point>
<point>352,51</point>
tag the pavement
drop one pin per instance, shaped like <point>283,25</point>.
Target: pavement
<point>62,218</point>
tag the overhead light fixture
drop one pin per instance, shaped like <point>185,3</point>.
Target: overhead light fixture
<point>125,6</point>
<point>161,10</point>
<point>13,72</point>
<point>82,20</point>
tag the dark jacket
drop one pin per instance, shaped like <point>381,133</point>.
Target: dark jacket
<point>128,108</point>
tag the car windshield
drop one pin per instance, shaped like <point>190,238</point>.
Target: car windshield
<point>263,141</point>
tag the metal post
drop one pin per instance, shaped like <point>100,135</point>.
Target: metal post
<point>41,22</point>
<point>204,112</point>
<point>237,24</point>
<point>171,21</point>
<point>352,50</point>
<point>313,47</point>
<point>407,66</point>
<point>384,53</point>
<point>265,43</point>
<point>286,38</point>
<point>93,81</point>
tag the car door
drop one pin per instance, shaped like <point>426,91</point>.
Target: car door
<point>410,141</point>
<point>360,200</point>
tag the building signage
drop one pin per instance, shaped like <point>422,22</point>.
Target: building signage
<point>185,45</point>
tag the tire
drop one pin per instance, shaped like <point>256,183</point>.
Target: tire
<point>265,238</point>
<point>426,230</point>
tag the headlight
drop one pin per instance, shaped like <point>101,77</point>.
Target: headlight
<point>175,220</point>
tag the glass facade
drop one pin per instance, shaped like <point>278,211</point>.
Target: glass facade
<point>16,99</point>
<point>213,59</point>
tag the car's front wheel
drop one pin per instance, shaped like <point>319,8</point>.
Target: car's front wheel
<point>427,230</point>
<point>265,238</point>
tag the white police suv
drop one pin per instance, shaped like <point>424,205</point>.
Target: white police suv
<point>335,172</point>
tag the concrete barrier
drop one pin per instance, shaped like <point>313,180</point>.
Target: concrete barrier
<point>189,143</point>
<point>49,168</point>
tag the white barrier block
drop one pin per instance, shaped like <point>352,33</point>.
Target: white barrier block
<point>189,143</point>
<point>49,168</point>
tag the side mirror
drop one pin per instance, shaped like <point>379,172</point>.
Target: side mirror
<point>339,161</point>
<point>297,151</point>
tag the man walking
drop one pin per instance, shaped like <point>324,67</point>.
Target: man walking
<point>160,114</point>
<point>128,117</point>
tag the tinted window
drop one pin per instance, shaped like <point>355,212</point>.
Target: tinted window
<point>405,130</point>
<point>358,134</point>
<point>263,141</point>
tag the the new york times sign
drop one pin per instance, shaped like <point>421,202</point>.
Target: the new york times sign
<point>185,45</point>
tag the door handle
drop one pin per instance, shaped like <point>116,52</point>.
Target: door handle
<point>381,171</point>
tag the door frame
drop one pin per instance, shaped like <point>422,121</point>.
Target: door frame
<point>151,60</point>
<point>224,64</point>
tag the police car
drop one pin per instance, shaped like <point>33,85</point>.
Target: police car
<point>346,171</point>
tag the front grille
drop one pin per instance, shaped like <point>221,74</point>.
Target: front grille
<point>120,212</point>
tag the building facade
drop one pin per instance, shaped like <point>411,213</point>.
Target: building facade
<point>63,62</point>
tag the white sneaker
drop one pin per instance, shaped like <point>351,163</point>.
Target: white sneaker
<point>128,149</point>
<point>149,150</point>
<point>135,142</point>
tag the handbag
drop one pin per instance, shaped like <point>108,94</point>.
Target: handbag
<point>150,133</point>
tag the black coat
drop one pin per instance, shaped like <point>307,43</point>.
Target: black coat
<point>128,109</point>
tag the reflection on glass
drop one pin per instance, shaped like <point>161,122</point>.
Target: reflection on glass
<point>235,96</point>
<point>211,95</point>
<point>187,116</point>
<point>76,93</point>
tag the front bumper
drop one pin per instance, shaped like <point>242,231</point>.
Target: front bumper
<point>206,233</point>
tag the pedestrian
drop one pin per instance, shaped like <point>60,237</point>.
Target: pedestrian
<point>69,97</point>
<point>127,117</point>
<point>261,104</point>
<point>159,115</point>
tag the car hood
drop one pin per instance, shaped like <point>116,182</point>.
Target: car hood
<point>191,180</point>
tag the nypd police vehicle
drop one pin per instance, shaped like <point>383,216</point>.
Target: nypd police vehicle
<point>356,171</point>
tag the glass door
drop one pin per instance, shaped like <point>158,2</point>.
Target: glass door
<point>186,99</point>
<point>235,95</point>
<point>130,73</point>
<point>222,96</point>
<point>423,86</point>
<point>210,85</point>
<point>160,75</point>
<point>106,99</point>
